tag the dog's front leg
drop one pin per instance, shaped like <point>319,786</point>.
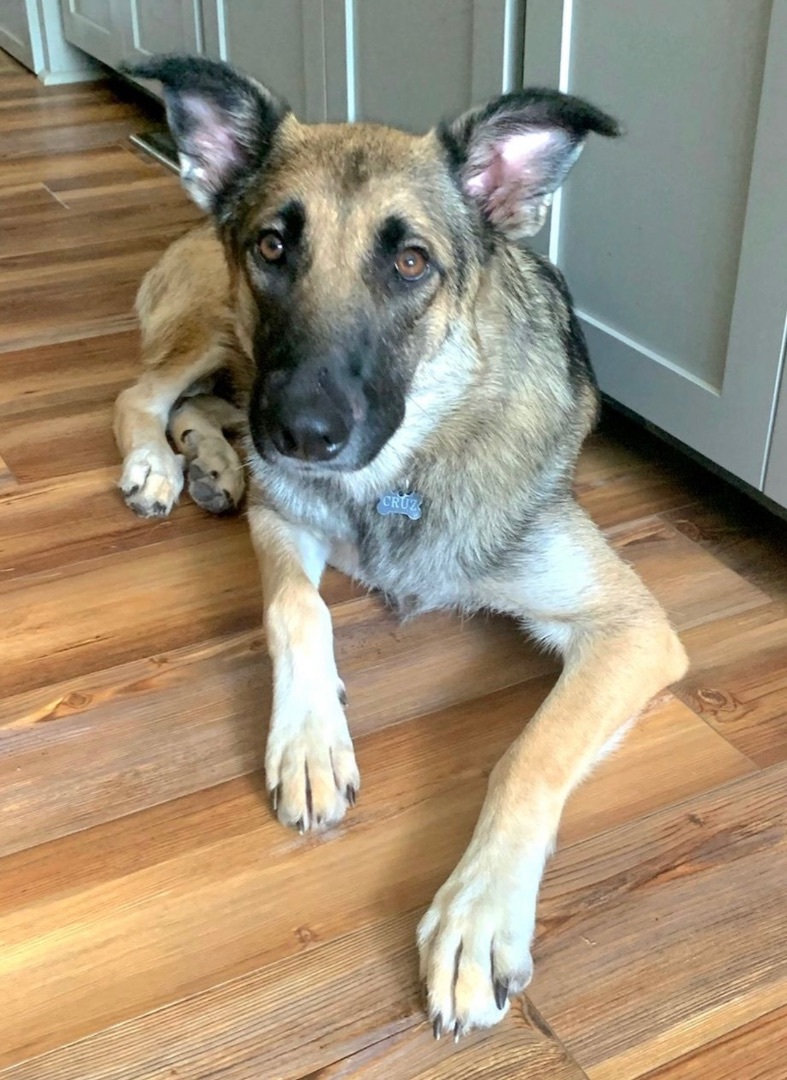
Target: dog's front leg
<point>310,764</point>
<point>619,651</point>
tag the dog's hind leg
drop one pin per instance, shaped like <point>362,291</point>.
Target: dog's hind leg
<point>152,477</point>
<point>186,335</point>
<point>216,479</point>
<point>619,651</point>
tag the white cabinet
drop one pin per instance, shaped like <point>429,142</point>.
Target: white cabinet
<point>153,26</point>
<point>15,31</point>
<point>126,30</point>
<point>281,44</point>
<point>412,62</point>
<point>407,62</point>
<point>33,32</point>
<point>93,26</point>
<point>673,239</point>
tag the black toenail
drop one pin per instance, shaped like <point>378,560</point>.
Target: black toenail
<point>501,992</point>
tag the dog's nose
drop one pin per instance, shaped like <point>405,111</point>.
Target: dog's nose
<point>311,435</point>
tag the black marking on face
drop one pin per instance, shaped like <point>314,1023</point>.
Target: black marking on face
<point>391,235</point>
<point>356,171</point>
<point>293,218</point>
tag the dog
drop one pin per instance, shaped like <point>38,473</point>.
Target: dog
<point>413,389</point>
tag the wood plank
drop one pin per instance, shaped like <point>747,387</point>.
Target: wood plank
<point>640,776</point>
<point>671,929</point>
<point>742,534</point>
<point>42,295</point>
<point>137,735</point>
<point>129,718</point>
<point>618,482</point>
<point>103,165</point>
<point>114,613</point>
<point>755,1051</point>
<point>119,193</point>
<point>215,868</point>
<point>35,539</point>
<point>522,1046</point>
<point>738,680</point>
<point>692,584</point>
<point>39,225</point>
<point>59,441</point>
<point>67,374</point>
<point>606,798</point>
<point>80,135</point>
<point>8,483</point>
<point>302,1016</point>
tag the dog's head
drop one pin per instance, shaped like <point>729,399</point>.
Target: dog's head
<point>357,248</point>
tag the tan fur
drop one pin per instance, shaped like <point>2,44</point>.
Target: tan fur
<point>570,589</point>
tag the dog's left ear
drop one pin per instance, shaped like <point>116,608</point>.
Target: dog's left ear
<point>514,153</point>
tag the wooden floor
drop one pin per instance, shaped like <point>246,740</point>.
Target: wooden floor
<point>155,921</point>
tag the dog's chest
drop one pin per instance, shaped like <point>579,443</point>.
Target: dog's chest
<point>394,540</point>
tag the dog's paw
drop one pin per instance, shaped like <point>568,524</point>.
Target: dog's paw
<point>310,766</point>
<point>474,946</point>
<point>151,481</point>
<point>216,478</point>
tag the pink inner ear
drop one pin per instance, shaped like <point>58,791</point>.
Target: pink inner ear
<point>513,167</point>
<point>209,135</point>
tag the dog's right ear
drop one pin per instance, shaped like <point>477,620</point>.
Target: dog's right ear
<point>222,122</point>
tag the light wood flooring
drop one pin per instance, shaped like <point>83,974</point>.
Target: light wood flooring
<point>155,921</point>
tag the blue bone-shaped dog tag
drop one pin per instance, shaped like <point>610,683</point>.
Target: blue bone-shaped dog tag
<point>394,502</point>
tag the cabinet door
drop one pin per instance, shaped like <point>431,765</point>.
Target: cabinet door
<point>96,26</point>
<point>15,31</point>
<point>162,26</point>
<point>672,238</point>
<point>279,42</point>
<point>413,62</point>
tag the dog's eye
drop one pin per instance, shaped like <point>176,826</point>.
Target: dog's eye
<point>411,263</point>
<point>271,247</point>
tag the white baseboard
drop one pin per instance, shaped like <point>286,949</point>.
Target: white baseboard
<point>60,78</point>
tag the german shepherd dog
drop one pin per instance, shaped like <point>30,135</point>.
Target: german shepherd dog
<point>414,389</point>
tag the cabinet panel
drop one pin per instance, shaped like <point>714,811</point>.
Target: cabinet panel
<point>670,237</point>
<point>415,61</point>
<point>280,44</point>
<point>158,26</point>
<point>96,12</point>
<point>94,26</point>
<point>15,31</point>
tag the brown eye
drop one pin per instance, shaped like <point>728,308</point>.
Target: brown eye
<point>411,264</point>
<point>271,247</point>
